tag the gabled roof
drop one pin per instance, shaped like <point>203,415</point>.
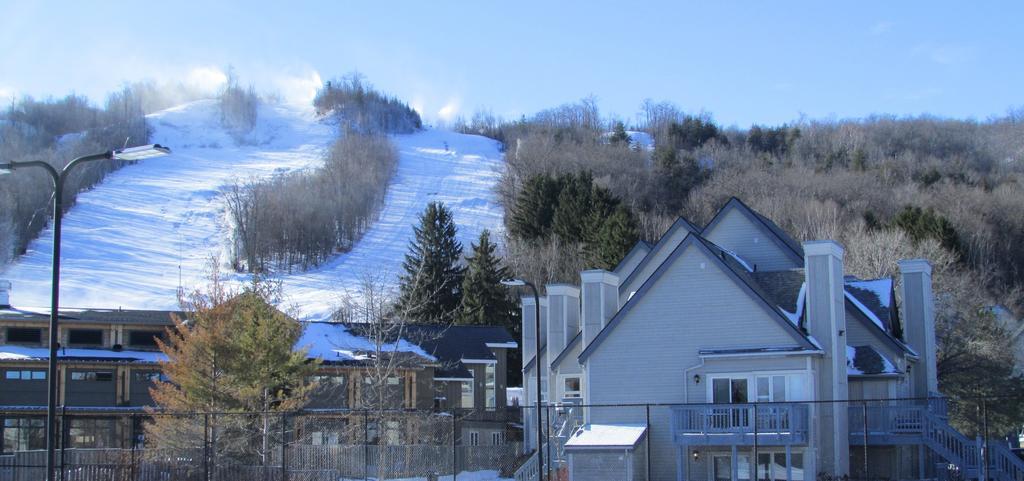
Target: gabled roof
<point>779,236</point>
<point>533,360</point>
<point>730,266</point>
<point>568,347</point>
<point>680,223</point>
<point>642,248</point>
<point>868,361</point>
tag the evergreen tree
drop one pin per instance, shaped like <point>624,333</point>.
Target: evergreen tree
<point>236,353</point>
<point>619,135</point>
<point>484,300</point>
<point>616,236</point>
<point>575,203</point>
<point>535,207</point>
<point>431,288</point>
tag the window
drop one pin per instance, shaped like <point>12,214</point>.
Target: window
<point>498,438</point>
<point>468,392</point>
<point>148,376</point>
<point>572,387</point>
<point>723,467</point>
<point>729,390</point>
<point>772,466</point>
<point>474,438</point>
<point>19,375</point>
<point>24,335</point>
<point>145,339</point>
<point>85,337</point>
<point>99,376</point>
<point>328,432</point>
<point>393,392</point>
<point>23,434</point>
<point>91,433</point>
<point>490,394</point>
<point>771,388</point>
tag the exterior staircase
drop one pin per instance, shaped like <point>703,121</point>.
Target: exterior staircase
<point>970,456</point>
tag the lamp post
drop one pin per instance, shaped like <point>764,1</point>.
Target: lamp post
<point>58,178</point>
<point>536,318</point>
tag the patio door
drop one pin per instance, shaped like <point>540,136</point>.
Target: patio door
<point>730,391</point>
<point>722,467</point>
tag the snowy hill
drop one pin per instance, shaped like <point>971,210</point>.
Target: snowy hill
<point>124,241</point>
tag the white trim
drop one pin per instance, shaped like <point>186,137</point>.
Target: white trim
<point>761,354</point>
<point>479,361</point>
<point>453,379</point>
<point>913,266</point>
<point>751,378</point>
<point>560,390</point>
<point>562,290</point>
<point>823,247</point>
<point>599,275</point>
<point>502,345</point>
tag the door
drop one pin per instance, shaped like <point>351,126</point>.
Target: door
<point>730,391</point>
<point>722,467</point>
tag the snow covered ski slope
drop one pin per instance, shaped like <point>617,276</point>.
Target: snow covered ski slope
<point>128,242</point>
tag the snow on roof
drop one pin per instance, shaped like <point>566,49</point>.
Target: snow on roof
<point>881,288</point>
<point>739,259</point>
<point>21,353</point>
<point>333,342</point>
<point>864,310</point>
<point>794,317</point>
<point>866,360</point>
<point>604,436</point>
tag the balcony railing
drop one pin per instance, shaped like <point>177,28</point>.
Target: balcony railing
<point>726,424</point>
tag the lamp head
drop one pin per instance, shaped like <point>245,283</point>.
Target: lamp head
<point>140,152</point>
<point>513,282</point>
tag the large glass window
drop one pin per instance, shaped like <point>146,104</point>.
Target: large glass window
<point>85,337</point>
<point>91,433</point>
<point>24,335</point>
<point>391,390</point>
<point>729,391</point>
<point>490,386</point>
<point>772,466</point>
<point>24,375</point>
<point>145,339</point>
<point>23,434</point>
<point>98,376</point>
<point>468,393</point>
<point>771,388</point>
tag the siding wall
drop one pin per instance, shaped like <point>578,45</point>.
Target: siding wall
<point>656,256</point>
<point>694,306</point>
<point>752,241</point>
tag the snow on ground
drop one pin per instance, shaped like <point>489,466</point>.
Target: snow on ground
<point>486,475</point>
<point>124,241</point>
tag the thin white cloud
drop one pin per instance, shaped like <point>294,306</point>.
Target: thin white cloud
<point>206,79</point>
<point>881,27</point>
<point>943,54</point>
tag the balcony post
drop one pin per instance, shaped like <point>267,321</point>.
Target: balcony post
<point>755,441</point>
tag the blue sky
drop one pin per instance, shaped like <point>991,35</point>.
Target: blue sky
<point>743,62</point>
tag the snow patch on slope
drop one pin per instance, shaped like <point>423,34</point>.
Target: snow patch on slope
<point>128,241</point>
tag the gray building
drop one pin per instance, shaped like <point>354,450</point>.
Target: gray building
<point>755,345</point>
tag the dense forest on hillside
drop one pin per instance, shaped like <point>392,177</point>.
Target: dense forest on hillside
<point>358,107</point>
<point>885,187</point>
<point>56,131</point>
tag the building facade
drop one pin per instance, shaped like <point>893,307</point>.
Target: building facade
<point>755,349</point>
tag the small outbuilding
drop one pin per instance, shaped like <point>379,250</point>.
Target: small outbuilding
<point>608,452</point>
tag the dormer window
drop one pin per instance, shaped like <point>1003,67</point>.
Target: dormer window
<point>24,335</point>
<point>85,337</point>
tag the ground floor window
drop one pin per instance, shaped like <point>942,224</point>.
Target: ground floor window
<point>23,434</point>
<point>771,466</point>
<point>91,433</point>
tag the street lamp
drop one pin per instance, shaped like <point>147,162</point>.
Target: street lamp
<point>536,338</point>
<point>58,178</point>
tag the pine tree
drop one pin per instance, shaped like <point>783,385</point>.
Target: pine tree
<point>619,135</point>
<point>535,207</point>
<point>431,288</point>
<point>236,353</point>
<point>484,300</point>
<point>575,203</point>
<point>617,235</point>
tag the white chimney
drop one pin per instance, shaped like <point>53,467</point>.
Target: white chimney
<point>563,316</point>
<point>529,313</point>
<point>600,300</point>
<point>5,293</point>
<point>919,323</point>
<point>826,322</point>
